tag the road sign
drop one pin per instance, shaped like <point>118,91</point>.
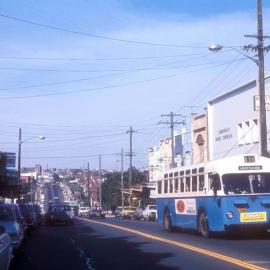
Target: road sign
<point>257,103</point>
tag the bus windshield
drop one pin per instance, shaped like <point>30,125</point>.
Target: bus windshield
<point>246,183</point>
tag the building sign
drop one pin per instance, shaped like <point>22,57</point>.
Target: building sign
<point>249,168</point>
<point>185,207</point>
<point>257,103</point>
<point>223,134</point>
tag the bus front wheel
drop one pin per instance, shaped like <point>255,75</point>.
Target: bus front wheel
<point>167,221</point>
<point>203,227</point>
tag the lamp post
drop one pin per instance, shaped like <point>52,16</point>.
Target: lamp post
<point>259,61</point>
<point>20,151</point>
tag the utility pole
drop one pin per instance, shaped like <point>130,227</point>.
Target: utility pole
<point>100,199</point>
<point>122,177</point>
<point>172,123</point>
<point>88,185</point>
<point>19,153</point>
<point>260,49</point>
<point>130,154</point>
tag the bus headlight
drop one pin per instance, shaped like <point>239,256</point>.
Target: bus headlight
<point>230,215</point>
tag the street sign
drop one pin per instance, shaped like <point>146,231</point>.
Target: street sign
<point>257,103</point>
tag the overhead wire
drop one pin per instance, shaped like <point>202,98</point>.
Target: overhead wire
<point>56,28</point>
<point>104,87</point>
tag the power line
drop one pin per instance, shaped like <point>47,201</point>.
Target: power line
<point>97,58</point>
<point>56,28</point>
<point>105,87</point>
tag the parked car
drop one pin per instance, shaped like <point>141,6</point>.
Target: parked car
<point>59,213</point>
<point>9,220</point>
<point>5,249</point>
<point>118,212</point>
<point>25,213</point>
<point>38,213</point>
<point>150,212</point>
<point>84,211</point>
<point>128,212</point>
<point>20,218</point>
<point>33,217</point>
<point>97,212</point>
<point>138,213</point>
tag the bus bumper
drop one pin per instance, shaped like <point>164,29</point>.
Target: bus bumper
<point>247,227</point>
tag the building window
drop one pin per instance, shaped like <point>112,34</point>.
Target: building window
<point>200,142</point>
<point>247,132</point>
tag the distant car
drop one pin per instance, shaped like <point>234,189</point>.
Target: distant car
<point>84,211</point>
<point>33,217</point>
<point>9,220</point>
<point>150,213</point>
<point>118,212</point>
<point>59,213</point>
<point>138,213</point>
<point>38,213</point>
<point>5,249</point>
<point>97,212</point>
<point>128,212</point>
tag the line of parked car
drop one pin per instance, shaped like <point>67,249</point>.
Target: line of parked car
<point>148,213</point>
<point>85,211</point>
<point>16,222</point>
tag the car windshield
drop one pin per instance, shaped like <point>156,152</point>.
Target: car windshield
<point>6,214</point>
<point>246,183</point>
<point>152,207</point>
<point>60,208</point>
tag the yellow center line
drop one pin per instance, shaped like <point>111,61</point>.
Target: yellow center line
<point>206,252</point>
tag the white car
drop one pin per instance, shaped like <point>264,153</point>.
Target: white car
<point>150,212</point>
<point>84,211</point>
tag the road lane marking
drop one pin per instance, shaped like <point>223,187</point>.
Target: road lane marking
<point>206,252</point>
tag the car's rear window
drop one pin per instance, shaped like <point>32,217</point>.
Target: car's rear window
<point>61,208</point>
<point>6,214</point>
<point>152,207</point>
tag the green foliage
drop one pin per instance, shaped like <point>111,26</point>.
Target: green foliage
<point>111,187</point>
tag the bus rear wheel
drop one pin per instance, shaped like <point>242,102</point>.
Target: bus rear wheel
<point>167,221</point>
<point>203,227</point>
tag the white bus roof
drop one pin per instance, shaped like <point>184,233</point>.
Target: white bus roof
<point>233,164</point>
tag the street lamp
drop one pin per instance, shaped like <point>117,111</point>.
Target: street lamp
<point>260,49</point>
<point>20,148</point>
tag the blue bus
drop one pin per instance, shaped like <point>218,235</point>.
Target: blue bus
<point>224,195</point>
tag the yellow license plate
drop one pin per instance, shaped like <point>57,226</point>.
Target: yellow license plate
<point>253,216</point>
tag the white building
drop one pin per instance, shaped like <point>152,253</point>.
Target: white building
<point>233,122</point>
<point>160,158</point>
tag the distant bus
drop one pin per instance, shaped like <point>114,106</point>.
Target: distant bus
<point>229,194</point>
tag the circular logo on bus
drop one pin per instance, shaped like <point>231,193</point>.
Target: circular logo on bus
<point>180,206</point>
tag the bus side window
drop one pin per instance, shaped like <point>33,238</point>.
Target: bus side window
<point>215,184</point>
<point>176,185</point>
<point>201,182</point>
<point>194,183</point>
<point>159,187</point>
<point>188,184</point>
<point>171,185</point>
<point>165,186</point>
<point>182,184</point>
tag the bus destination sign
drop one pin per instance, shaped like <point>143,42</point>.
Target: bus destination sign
<point>250,168</point>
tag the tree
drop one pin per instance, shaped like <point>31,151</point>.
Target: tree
<point>111,187</point>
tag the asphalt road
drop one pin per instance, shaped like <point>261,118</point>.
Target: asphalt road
<point>88,246</point>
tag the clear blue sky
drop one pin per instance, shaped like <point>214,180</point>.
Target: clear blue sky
<point>83,92</point>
